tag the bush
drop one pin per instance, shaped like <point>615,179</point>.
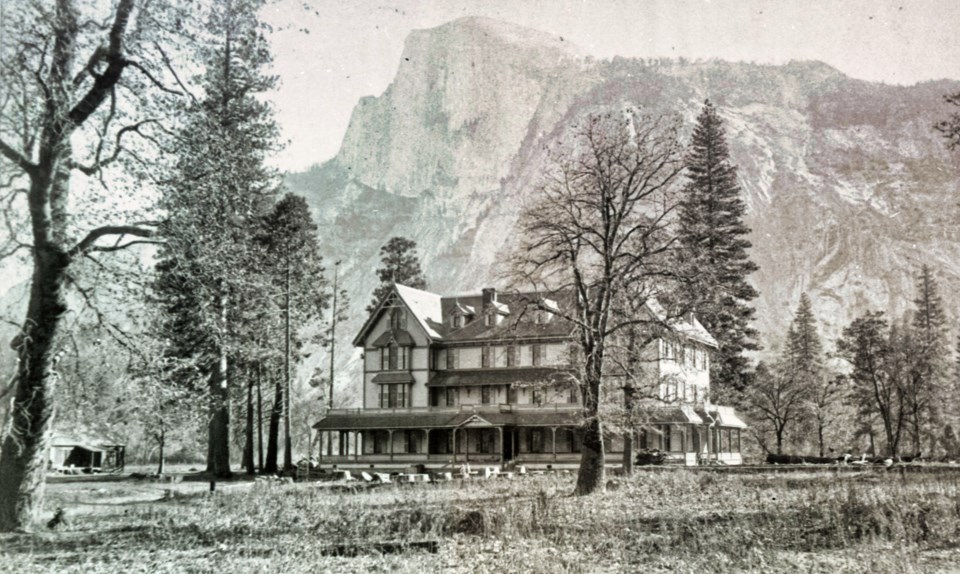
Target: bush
<point>649,457</point>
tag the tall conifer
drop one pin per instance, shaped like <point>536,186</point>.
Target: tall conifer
<point>209,265</point>
<point>931,363</point>
<point>712,233</point>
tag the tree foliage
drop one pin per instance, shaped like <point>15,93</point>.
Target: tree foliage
<point>950,127</point>
<point>210,272</point>
<point>713,233</point>
<point>399,263</point>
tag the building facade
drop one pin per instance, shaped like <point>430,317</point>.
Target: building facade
<point>489,379</point>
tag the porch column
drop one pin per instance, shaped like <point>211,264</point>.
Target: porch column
<point>357,442</point>
<point>320,436</point>
<point>553,442</point>
<point>426,442</point>
<point>500,429</point>
<point>454,445</point>
<point>390,439</point>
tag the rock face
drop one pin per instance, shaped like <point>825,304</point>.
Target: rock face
<point>849,188</point>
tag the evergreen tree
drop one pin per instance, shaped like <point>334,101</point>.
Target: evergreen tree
<point>399,263</point>
<point>931,359</point>
<point>803,362</point>
<point>295,264</point>
<point>878,355</point>
<point>804,352</point>
<point>218,188</point>
<point>712,233</point>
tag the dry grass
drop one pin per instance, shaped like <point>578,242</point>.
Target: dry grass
<point>677,521</point>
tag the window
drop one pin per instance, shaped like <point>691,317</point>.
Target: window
<point>643,440</point>
<point>394,355</point>
<point>398,319</point>
<point>485,357</point>
<point>485,394</point>
<point>393,395</point>
<point>511,395</point>
<point>573,396</point>
<point>538,396</point>
<point>667,438</point>
<point>453,397</point>
<point>457,321</point>
<point>511,356</point>
<point>537,351</point>
<point>536,440</point>
<point>453,358</point>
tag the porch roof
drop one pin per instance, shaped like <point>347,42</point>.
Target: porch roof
<point>681,414</point>
<point>725,417</point>
<point>402,377</point>
<point>421,420</point>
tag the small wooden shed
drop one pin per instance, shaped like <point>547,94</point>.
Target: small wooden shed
<point>81,451</point>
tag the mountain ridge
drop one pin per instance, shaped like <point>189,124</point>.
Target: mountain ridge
<point>848,186</point>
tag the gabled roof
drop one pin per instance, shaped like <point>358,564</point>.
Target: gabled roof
<point>423,305</point>
<point>430,310</point>
<point>688,326</point>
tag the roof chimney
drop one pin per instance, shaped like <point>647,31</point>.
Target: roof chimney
<point>489,296</point>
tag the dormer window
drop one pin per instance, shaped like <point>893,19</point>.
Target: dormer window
<point>458,321</point>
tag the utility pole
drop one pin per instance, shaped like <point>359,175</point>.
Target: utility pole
<point>333,330</point>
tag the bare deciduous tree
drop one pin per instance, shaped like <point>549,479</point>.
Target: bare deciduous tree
<point>76,78</point>
<point>600,226</point>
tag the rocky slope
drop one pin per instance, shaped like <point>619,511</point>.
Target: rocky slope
<point>849,189</point>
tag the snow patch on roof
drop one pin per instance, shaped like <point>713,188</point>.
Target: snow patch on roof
<point>689,326</point>
<point>425,306</point>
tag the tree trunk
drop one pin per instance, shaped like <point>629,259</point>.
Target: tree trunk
<point>628,403</point>
<point>259,419</point>
<point>273,434</point>
<point>287,446</point>
<point>820,436</point>
<point>23,460</point>
<point>248,432</point>
<point>592,475</point>
<point>162,443</point>
<point>218,445</point>
<point>780,440</point>
<point>628,453</point>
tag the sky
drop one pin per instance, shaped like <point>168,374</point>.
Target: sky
<point>330,53</point>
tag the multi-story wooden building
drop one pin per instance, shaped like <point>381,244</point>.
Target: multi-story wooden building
<point>488,378</point>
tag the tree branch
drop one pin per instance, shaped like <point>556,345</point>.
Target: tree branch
<point>18,158</point>
<point>88,243</point>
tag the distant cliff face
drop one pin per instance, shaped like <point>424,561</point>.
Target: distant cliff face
<point>849,189</point>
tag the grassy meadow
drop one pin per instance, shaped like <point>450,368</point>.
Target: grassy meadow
<point>664,520</point>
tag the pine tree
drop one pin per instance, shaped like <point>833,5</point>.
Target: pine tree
<point>931,359</point>
<point>296,266</point>
<point>712,233</point>
<point>209,265</point>
<point>399,264</point>
<point>803,363</point>
<point>804,349</point>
